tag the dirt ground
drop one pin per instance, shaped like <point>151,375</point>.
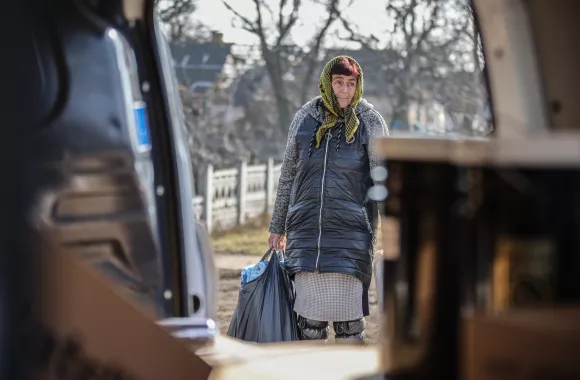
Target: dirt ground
<point>230,266</point>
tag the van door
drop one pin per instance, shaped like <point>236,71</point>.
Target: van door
<point>112,180</point>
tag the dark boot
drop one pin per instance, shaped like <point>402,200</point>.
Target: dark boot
<point>350,331</point>
<point>309,329</point>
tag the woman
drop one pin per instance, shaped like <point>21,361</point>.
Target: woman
<point>322,208</point>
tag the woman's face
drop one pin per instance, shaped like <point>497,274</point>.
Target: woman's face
<point>344,87</point>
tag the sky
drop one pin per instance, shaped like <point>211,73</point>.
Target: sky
<point>368,19</point>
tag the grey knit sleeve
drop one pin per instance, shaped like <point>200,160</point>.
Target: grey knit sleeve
<point>376,128</point>
<point>287,174</point>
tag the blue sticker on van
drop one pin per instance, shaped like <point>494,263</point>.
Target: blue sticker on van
<point>142,125</point>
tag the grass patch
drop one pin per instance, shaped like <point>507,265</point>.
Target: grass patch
<point>249,239</point>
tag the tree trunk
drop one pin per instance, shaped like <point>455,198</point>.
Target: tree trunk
<point>275,73</point>
<point>284,117</point>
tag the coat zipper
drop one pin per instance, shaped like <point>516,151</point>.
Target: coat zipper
<point>328,137</point>
<point>367,220</point>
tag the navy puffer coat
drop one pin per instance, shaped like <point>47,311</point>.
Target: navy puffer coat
<point>328,221</point>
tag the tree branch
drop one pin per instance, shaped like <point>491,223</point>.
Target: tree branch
<point>268,8</point>
<point>281,14</point>
<point>429,27</point>
<point>174,9</point>
<point>312,55</point>
<point>285,27</point>
<point>248,25</point>
<point>175,14</point>
<point>366,43</point>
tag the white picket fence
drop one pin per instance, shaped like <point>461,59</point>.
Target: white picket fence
<point>236,194</point>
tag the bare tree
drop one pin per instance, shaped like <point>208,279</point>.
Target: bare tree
<point>273,28</point>
<point>426,35</point>
<point>423,55</point>
<point>176,16</point>
<point>271,45</point>
<point>312,56</point>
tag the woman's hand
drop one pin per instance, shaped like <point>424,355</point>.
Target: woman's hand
<point>276,241</point>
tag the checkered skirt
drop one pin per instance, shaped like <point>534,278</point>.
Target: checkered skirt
<point>329,297</point>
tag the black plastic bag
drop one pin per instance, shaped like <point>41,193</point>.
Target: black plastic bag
<point>265,310</point>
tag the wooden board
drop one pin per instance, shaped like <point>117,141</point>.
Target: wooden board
<point>233,359</point>
<point>521,345</point>
<point>94,328</point>
<point>554,150</point>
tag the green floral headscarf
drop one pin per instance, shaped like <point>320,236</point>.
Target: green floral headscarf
<point>335,113</point>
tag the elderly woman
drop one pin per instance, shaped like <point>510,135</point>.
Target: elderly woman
<point>322,212</point>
